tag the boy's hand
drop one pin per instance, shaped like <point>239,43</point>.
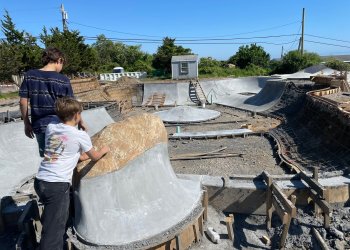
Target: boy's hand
<point>104,150</point>
<point>82,126</point>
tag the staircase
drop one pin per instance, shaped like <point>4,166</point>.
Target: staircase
<point>157,99</point>
<point>196,92</point>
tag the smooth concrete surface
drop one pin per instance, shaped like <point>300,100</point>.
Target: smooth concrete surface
<point>207,134</point>
<point>138,205</point>
<point>250,93</point>
<point>175,93</point>
<point>187,114</point>
<point>96,119</point>
<point>19,155</point>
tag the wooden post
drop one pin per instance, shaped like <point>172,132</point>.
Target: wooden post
<point>229,225</point>
<point>315,177</point>
<point>178,242</point>
<point>205,205</point>
<point>285,232</point>
<point>268,181</point>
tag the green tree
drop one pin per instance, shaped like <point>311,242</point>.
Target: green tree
<point>10,61</point>
<point>112,54</point>
<point>162,59</point>
<point>210,66</point>
<point>294,61</point>
<point>338,65</point>
<point>250,55</point>
<point>26,53</point>
<point>79,56</point>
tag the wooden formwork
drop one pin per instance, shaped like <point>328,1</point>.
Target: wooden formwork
<point>285,209</point>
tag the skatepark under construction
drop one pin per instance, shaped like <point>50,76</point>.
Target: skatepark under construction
<point>239,163</point>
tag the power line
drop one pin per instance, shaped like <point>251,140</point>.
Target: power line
<point>328,38</point>
<point>138,40</point>
<point>115,31</point>
<point>201,40</point>
<point>330,44</point>
<point>203,37</point>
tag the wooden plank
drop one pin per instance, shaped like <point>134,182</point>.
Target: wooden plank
<point>198,153</point>
<point>319,239</point>
<point>321,191</point>
<point>287,204</point>
<point>197,234</point>
<point>280,211</point>
<point>324,205</point>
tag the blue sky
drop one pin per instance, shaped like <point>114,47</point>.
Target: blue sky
<point>270,23</point>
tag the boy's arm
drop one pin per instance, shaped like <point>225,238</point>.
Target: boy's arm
<point>28,130</point>
<point>93,154</point>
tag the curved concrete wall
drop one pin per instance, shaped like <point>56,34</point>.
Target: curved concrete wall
<point>138,204</point>
<point>132,198</point>
<point>251,93</point>
<point>175,93</point>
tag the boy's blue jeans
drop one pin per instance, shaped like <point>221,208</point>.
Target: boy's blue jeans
<point>55,198</point>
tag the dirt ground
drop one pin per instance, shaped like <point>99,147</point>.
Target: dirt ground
<point>256,155</point>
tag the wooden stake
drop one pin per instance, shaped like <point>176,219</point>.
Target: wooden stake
<point>229,225</point>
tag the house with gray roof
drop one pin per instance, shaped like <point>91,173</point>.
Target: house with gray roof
<point>184,67</point>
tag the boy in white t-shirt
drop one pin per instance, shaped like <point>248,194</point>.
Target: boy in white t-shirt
<point>64,146</point>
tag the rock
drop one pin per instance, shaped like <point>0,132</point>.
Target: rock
<point>345,228</point>
<point>336,233</point>
<point>339,244</point>
<point>323,233</point>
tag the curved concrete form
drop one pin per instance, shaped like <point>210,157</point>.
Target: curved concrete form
<point>19,156</point>
<point>174,93</point>
<point>132,199</point>
<point>251,93</point>
<point>186,114</point>
<point>309,72</point>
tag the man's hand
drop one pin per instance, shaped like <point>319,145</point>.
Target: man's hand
<point>28,130</point>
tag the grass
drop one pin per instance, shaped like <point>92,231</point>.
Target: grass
<point>8,95</point>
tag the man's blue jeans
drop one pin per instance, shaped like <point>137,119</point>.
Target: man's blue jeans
<point>40,138</point>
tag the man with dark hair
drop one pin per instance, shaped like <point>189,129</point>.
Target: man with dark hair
<point>41,88</point>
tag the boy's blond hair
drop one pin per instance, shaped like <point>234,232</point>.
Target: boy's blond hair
<point>67,107</point>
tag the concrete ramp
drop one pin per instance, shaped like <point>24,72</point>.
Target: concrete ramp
<point>185,114</point>
<point>309,72</point>
<point>251,93</point>
<point>174,93</point>
<point>131,198</point>
<point>19,155</point>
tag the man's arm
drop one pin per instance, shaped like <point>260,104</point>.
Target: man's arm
<point>28,130</point>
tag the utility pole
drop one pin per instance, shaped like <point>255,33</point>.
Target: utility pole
<point>64,18</point>
<point>302,33</point>
<point>282,53</point>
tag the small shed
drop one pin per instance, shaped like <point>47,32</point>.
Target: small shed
<point>184,67</point>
